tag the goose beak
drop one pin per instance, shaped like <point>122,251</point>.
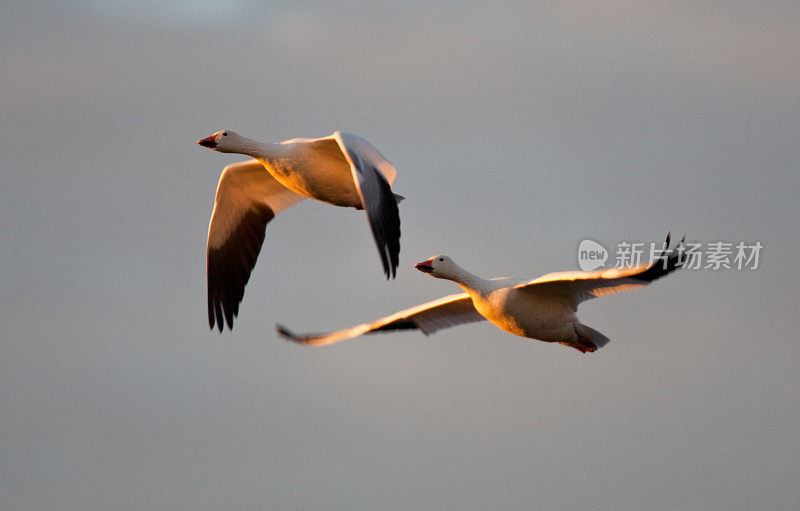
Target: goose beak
<point>208,142</point>
<point>425,266</point>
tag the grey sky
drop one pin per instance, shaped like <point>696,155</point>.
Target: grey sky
<point>517,131</point>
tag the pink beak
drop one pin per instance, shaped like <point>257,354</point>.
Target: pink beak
<point>425,266</point>
<point>208,142</point>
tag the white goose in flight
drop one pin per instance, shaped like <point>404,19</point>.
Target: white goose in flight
<point>543,309</point>
<point>342,169</point>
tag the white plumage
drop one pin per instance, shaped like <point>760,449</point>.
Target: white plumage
<point>342,169</point>
<point>544,308</point>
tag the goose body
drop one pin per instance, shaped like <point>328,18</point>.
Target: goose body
<point>342,169</point>
<point>525,315</point>
<point>315,169</point>
<point>544,308</point>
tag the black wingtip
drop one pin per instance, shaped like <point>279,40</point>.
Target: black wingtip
<point>385,226</point>
<point>229,266</point>
<point>288,335</point>
<point>392,273</point>
<point>668,261</point>
<point>285,332</point>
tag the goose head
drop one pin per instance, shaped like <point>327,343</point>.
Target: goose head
<point>224,141</point>
<point>439,266</point>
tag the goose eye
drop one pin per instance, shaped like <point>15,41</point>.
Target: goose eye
<point>441,259</point>
<point>225,134</point>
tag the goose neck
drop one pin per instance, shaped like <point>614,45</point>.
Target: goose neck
<point>469,281</point>
<point>262,150</point>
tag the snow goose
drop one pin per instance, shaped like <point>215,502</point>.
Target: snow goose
<point>342,169</point>
<point>543,309</point>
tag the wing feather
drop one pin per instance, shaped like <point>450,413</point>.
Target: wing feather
<point>428,317</point>
<point>248,197</point>
<point>575,287</point>
<point>372,175</point>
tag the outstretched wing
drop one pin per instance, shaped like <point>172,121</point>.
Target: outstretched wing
<point>248,197</point>
<point>372,175</point>
<point>428,318</point>
<point>574,287</point>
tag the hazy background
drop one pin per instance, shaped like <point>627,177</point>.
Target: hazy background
<point>517,131</point>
